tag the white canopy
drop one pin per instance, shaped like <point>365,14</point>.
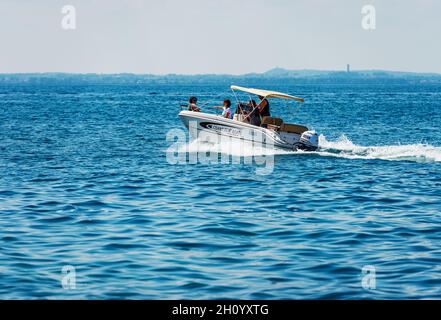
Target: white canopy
<point>267,93</point>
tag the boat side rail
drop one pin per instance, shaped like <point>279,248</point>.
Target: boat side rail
<point>185,107</point>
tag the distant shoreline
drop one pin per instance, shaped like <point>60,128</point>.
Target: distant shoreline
<point>276,72</point>
<point>272,76</point>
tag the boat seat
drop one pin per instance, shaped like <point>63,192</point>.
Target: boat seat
<point>272,121</point>
<point>293,128</point>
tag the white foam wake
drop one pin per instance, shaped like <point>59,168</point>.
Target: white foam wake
<point>340,148</point>
<point>233,147</point>
<point>344,148</point>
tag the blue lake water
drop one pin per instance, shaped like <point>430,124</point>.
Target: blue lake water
<point>85,182</point>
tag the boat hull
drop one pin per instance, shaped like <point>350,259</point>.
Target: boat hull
<point>214,125</point>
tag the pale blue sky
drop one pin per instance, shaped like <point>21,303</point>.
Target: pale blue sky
<point>218,36</point>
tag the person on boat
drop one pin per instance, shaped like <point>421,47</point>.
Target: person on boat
<point>226,109</point>
<point>264,107</point>
<point>227,112</point>
<point>252,114</point>
<point>192,106</point>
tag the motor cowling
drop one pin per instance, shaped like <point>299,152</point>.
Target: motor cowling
<point>309,141</point>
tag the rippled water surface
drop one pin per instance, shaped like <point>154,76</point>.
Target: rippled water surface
<point>85,182</point>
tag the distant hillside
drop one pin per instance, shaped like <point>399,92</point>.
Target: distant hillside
<point>272,76</point>
<point>284,73</point>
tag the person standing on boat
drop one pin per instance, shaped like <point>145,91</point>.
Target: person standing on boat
<point>192,106</point>
<point>264,107</point>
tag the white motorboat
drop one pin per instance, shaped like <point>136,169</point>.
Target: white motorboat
<point>272,131</point>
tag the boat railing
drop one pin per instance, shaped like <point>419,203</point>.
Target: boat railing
<point>204,108</point>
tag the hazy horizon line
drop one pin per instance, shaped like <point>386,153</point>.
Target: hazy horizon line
<point>224,74</point>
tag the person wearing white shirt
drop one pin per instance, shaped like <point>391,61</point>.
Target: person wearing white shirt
<point>226,109</point>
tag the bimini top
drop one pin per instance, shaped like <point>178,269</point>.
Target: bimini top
<point>267,93</point>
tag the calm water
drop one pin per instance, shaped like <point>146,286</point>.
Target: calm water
<point>84,182</point>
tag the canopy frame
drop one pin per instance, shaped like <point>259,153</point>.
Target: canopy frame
<point>267,93</point>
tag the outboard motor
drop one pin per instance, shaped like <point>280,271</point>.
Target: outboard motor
<point>308,141</point>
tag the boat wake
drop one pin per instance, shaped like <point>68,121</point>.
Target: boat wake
<point>344,148</point>
<point>233,147</point>
<point>340,148</point>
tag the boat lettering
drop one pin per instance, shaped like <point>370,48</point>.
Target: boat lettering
<point>221,128</point>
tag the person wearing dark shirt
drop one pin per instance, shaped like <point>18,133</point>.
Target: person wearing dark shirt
<point>253,115</point>
<point>264,107</point>
<point>192,106</point>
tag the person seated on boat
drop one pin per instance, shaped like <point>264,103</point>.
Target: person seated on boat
<point>192,106</point>
<point>255,116</point>
<point>226,109</point>
<point>252,116</point>
<point>227,112</point>
<point>242,110</point>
